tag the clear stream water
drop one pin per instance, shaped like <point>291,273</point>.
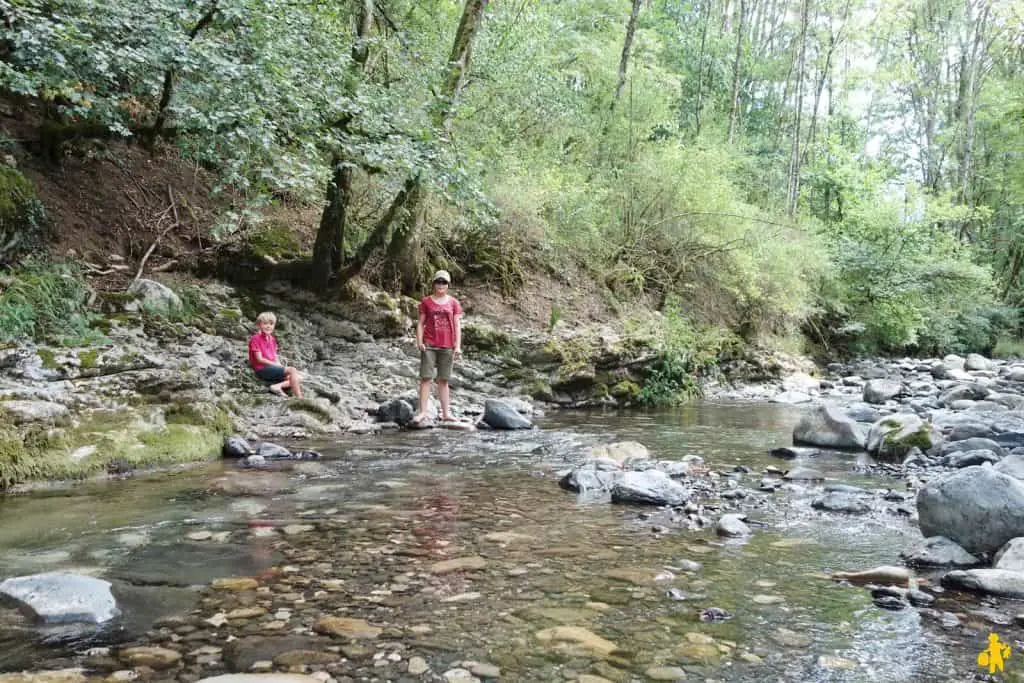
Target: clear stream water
<point>445,490</point>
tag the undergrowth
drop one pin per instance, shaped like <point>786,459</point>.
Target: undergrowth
<point>688,352</point>
<point>46,302</point>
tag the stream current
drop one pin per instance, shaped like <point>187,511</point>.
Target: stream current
<point>398,501</point>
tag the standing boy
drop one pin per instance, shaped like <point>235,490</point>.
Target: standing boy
<point>263,359</point>
<point>439,339</point>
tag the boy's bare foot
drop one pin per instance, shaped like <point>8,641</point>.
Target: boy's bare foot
<point>418,418</point>
<point>447,418</point>
<point>278,391</point>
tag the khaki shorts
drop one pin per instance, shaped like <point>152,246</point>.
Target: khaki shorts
<point>439,359</point>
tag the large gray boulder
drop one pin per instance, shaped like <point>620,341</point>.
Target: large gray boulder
<point>501,415</point>
<point>25,411</point>
<point>1012,465</point>
<point>975,361</point>
<point>979,508</point>
<point>971,444</point>
<point>1002,582</point>
<point>650,487</point>
<point>970,392</point>
<point>590,477</point>
<point>878,391</point>
<point>961,459</point>
<point>397,410</point>
<point>154,296</point>
<point>893,436</point>
<point>60,598</point>
<point>828,427</point>
<point>1010,556</point>
<point>939,551</point>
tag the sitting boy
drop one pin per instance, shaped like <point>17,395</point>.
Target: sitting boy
<point>263,359</point>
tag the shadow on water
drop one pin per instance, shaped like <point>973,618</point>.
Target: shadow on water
<point>606,568</point>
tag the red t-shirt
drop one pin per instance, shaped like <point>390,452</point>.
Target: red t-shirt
<point>265,344</point>
<point>439,322</point>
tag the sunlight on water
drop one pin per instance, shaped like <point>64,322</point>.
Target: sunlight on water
<point>606,568</point>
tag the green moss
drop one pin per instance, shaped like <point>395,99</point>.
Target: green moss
<point>88,359</point>
<point>312,407</point>
<point>541,390</point>
<point>626,390</point>
<point>488,339</point>
<point>922,438</point>
<point>276,240</point>
<point>23,224</point>
<point>48,357</point>
<point>201,415</point>
<point>44,454</point>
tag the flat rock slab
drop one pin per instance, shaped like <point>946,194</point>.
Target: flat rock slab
<point>348,628</point>
<point>59,598</point>
<point>260,678</point>
<point>1001,582</point>
<point>22,412</point>
<point>59,676</point>
<point>458,564</point>
<point>577,635</point>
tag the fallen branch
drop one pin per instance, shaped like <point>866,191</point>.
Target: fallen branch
<point>145,257</point>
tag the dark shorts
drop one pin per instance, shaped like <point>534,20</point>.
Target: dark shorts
<point>440,360</point>
<point>271,373</point>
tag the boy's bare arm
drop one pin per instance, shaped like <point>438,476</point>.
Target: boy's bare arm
<point>458,335</point>
<point>419,332</point>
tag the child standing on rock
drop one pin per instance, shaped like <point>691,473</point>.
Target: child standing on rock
<point>263,359</point>
<point>439,339</point>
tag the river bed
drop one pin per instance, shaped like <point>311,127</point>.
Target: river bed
<point>370,520</point>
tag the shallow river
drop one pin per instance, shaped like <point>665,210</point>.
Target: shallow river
<point>397,502</point>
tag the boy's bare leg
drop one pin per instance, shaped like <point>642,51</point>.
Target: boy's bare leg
<point>279,388</point>
<point>424,396</point>
<point>444,395</point>
<point>294,381</point>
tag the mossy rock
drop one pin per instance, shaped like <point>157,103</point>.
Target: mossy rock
<point>48,358</point>
<point>201,415</point>
<point>88,358</point>
<point>487,339</point>
<point>23,224</point>
<point>114,441</point>
<point>310,406</point>
<point>541,391</point>
<point>275,240</point>
<point>625,391</point>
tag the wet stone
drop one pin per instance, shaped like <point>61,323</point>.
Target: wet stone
<point>458,564</point>
<point>665,673</point>
<point>153,657</point>
<point>417,666</point>
<point>788,638</point>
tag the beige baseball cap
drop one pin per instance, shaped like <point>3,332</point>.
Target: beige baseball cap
<point>442,275</point>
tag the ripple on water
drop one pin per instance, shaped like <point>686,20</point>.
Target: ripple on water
<point>390,505</point>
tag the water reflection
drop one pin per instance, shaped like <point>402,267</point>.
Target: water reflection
<point>550,561</point>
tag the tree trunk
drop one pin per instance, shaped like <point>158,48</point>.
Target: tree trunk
<point>329,247</point>
<point>626,47</point>
<point>379,237</point>
<point>406,248</point>
<point>794,157</point>
<point>734,111</point>
<point>700,65</point>
<point>169,76</point>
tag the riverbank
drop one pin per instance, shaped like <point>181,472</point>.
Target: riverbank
<point>166,379</point>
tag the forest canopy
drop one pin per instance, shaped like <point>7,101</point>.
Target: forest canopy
<point>845,169</point>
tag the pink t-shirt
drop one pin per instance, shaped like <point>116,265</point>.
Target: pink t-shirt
<point>265,344</point>
<point>439,322</point>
